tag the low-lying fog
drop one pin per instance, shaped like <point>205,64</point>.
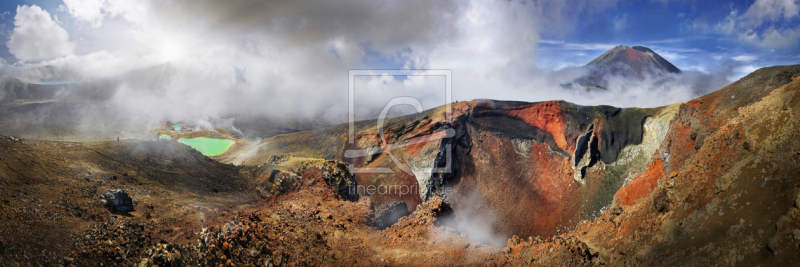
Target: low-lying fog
<point>268,68</point>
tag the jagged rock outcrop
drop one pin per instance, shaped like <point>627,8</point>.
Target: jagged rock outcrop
<point>586,154</point>
<point>491,155</point>
<point>117,200</point>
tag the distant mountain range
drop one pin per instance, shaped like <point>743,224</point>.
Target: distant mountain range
<point>623,61</point>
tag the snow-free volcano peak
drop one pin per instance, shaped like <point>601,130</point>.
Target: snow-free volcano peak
<point>638,58</point>
<point>629,63</point>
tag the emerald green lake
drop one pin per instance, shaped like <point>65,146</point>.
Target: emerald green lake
<point>164,137</point>
<point>208,146</point>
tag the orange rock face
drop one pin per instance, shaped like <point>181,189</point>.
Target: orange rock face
<point>533,196</point>
<point>511,163</point>
<point>642,185</point>
<point>548,117</point>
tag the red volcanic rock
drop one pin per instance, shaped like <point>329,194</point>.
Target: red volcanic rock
<point>533,142</point>
<point>642,185</point>
<point>548,117</point>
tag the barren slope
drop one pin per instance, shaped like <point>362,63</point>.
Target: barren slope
<point>709,182</point>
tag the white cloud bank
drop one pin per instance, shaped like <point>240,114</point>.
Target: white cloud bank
<point>292,58</point>
<point>95,11</point>
<point>37,37</point>
<point>754,26</point>
<point>772,10</point>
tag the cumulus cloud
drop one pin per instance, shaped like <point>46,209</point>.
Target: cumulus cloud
<point>764,24</point>
<point>94,11</point>
<point>727,25</point>
<point>267,57</point>
<point>779,37</point>
<point>37,37</point>
<point>772,10</point>
<point>772,38</point>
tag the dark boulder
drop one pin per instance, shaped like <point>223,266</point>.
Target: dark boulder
<point>117,199</point>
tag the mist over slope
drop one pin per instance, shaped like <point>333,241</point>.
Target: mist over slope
<point>131,103</point>
<point>288,61</point>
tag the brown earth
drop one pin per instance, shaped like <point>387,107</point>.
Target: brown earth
<point>709,182</point>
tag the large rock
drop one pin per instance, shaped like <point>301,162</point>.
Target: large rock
<point>117,199</point>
